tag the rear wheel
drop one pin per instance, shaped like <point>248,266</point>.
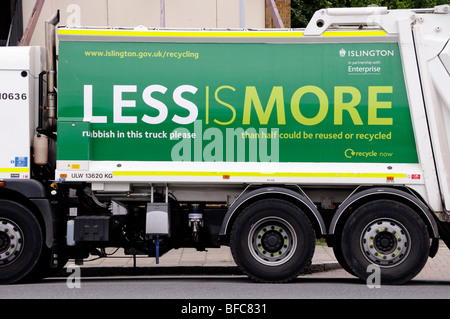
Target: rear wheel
<point>272,241</point>
<point>388,234</point>
<point>337,250</point>
<point>21,241</point>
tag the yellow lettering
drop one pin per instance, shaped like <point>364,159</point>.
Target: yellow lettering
<point>340,105</point>
<point>216,95</point>
<point>276,97</point>
<point>323,105</point>
<point>374,105</point>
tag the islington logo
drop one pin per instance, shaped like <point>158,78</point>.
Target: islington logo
<point>365,53</point>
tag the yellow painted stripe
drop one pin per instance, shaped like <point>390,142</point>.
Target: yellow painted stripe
<point>353,33</point>
<point>253,174</point>
<point>14,170</point>
<point>205,34</point>
<point>197,34</point>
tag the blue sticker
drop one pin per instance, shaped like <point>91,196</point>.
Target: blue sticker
<point>21,161</point>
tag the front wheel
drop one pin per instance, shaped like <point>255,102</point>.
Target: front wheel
<point>272,241</point>
<point>388,234</point>
<point>21,242</point>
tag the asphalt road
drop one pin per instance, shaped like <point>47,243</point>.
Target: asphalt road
<point>220,285</point>
<point>328,285</point>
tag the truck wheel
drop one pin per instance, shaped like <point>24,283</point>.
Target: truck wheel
<point>388,234</point>
<point>272,241</point>
<point>21,241</point>
<point>337,250</point>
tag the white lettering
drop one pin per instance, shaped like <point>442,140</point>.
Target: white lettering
<point>150,101</point>
<point>119,104</point>
<point>374,279</point>
<point>88,117</point>
<point>73,19</point>
<point>74,279</point>
<point>190,308</point>
<point>372,53</point>
<point>188,105</point>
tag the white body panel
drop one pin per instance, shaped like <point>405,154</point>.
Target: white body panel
<point>19,72</point>
<point>432,44</point>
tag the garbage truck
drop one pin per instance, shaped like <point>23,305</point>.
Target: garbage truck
<point>263,140</point>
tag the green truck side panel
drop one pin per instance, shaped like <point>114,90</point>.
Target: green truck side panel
<point>297,102</point>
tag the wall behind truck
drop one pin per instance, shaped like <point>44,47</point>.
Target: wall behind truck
<point>131,13</point>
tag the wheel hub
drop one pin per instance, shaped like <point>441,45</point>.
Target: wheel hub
<point>11,242</point>
<point>272,241</point>
<point>385,242</point>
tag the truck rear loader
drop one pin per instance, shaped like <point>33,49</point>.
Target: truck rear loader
<point>260,140</point>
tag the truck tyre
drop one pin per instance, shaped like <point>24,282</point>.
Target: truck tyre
<point>21,241</point>
<point>388,234</point>
<point>272,240</point>
<point>337,250</point>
